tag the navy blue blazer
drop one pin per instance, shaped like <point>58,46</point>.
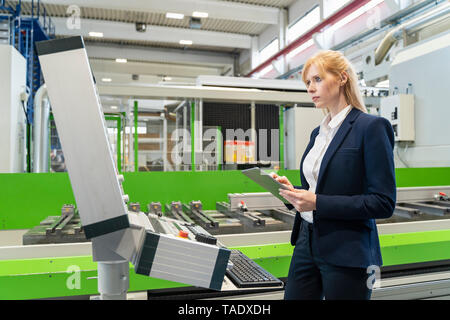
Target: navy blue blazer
<point>355,186</point>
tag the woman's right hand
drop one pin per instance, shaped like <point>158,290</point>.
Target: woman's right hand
<point>282,179</point>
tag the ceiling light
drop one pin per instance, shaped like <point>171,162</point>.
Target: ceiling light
<point>106,79</point>
<point>119,60</point>
<point>96,34</point>
<point>167,78</point>
<point>186,42</point>
<point>114,107</point>
<point>172,15</point>
<point>199,14</point>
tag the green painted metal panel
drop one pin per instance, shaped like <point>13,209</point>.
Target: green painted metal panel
<point>60,277</point>
<point>45,193</point>
<point>266,251</point>
<point>415,247</point>
<point>42,278</point>
<point>26,199</point>
<point>46,285</point>
<point>54,277</point>
<point>193,136</point>
<point>422,177</point>
<point>278,266</point>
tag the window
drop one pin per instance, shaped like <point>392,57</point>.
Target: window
<point>265,71</point>
<point>300,48</point>
<point>331,6</point>
<point>352,16</point>
<point>268,50</point>
<point>304,24</point>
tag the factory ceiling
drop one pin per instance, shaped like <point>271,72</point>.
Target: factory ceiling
<point>226,20</point>
<point>160,49</point>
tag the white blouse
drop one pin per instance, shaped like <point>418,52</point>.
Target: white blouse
<point>311,165</point>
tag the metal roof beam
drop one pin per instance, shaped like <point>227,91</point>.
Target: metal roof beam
<point>205,93</point>
<point>127,31</point>
<point>166,55</point>
<point>225,10</point>
<point>148,68</point>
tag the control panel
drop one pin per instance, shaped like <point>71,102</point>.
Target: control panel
<point>399,110</point>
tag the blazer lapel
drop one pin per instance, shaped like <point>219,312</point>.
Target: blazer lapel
<point>336,142</point>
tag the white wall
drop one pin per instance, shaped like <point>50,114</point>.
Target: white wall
<point>12,116</point>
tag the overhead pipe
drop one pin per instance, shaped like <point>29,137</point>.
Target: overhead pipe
<point>372,32</point>
<point>395,34</point>
<point>384,25</point>
<point>40,130</point>
<point>352,6</point>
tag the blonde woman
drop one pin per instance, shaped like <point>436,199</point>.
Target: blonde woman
<point>348,181</point>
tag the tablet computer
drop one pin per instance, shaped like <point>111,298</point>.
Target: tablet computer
<point>266,181</point>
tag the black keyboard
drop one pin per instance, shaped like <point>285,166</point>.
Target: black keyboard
<point>246,273</point>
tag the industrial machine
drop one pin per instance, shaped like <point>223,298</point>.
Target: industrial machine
<point>408,55</point>
<point>222,212</point>
<point>13,93</point>
<point>118,236</point>
<point>251,217</point>
<point>242,274</point>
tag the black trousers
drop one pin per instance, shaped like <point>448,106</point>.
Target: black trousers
<point>311,278</point>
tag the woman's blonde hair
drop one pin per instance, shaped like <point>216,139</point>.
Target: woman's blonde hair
<point>335,63</point>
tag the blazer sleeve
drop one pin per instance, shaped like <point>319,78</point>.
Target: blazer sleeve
<point>380,197</point>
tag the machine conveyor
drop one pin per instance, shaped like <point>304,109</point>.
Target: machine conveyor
<point>247,217</point>
<point>195,209</point>
<point>155,208</point>
<point>245,213</point>
<point>427,208</point>
<point>175,209</point>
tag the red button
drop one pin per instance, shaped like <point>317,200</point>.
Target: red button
<point>183,234</point>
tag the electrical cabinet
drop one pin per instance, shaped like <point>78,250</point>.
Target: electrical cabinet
<point>12,119</point>
<point>299,123</point>
<point>399,110</point>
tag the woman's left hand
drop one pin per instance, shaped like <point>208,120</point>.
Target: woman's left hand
<point>302,200</point>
